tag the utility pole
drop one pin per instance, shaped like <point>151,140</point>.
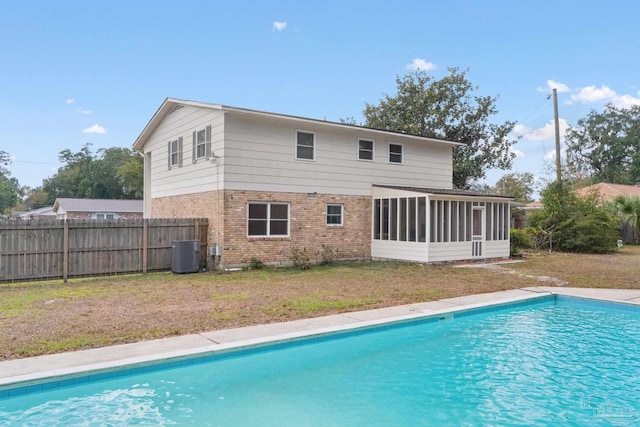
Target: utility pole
<point>555,117</point>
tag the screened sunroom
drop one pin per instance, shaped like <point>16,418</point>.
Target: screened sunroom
<point>438,225</point>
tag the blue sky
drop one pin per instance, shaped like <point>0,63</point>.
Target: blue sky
<point>76,72</point>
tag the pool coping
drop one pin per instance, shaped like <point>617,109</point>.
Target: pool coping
<point>42,368</point>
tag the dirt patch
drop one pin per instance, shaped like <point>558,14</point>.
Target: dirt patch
<point>42,318</point>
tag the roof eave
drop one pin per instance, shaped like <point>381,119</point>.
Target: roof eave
<point>335,124</point>
<point>445,192</point>
<point>169,103</point>
<point>161,113</point>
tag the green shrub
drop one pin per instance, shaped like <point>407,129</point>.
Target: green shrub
<point>519,239</point>
<point>573,224</point>
<point>256,264</point>
<point>596,232</point>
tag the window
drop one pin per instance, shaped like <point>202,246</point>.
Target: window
<point>268,219</point>
<point>365,149</point>
<point>334,214</point>
<point>202,144</point>
<point>305,145</point>
<point>104,216</point>
<point>395,153</point>
<point>175,153</point>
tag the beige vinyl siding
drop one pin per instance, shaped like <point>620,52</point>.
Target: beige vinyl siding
<point>406,251</point>
<point>190,177</point>
<point>457,251</point>
<point>260,156</point>
<point>496,249</point>
<point>451,251</point>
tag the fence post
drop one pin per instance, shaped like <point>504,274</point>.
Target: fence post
<point>145,245</point>
<point>65,252</point>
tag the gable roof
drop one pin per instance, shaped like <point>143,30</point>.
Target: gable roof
<point>607,192</point>
<point>98,205</point>
<point>171,104</point>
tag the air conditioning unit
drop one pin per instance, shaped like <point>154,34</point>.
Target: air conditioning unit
<point>185,256</point>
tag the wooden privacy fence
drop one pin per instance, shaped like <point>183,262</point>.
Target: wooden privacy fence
<point>42,249</point>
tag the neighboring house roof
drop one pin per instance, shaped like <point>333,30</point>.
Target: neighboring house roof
<point>533,206</point>
<point>46,211</point>
<point>444,191</point>
<point>607,192</point>
<point>172,104</point>
<point>34,213</point>
<point>98,205</point>
<point>16,214</point>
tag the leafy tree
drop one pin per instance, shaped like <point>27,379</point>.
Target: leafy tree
<point>575,224</point>
<point>518,185</point>
<point>629,210</point>
<point>35,198</point>
<point>89,175</point>
<point>605,147</point>
<point>130,177</point>
<point>447,109</point>
<point>9,187</point>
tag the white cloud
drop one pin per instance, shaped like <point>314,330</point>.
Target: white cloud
<point>544,133</point>
<point>552,84</point>
<point>593,94</point>
<point>421,64</point>
<point>95,129</point>
<point>70,101</point>
<point>625,101</point>
<point>86,112</point>
<point>551,155</point>
<point>518,153</point>
<point>279,26</point>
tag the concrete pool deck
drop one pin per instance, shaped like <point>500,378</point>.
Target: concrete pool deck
<point>36,369</point>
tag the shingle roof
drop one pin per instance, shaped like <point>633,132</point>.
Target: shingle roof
<point>608,192</point>
<point>98,205</point>
<point>446,191</point>
<point>170,104</point>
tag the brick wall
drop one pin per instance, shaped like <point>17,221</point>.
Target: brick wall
<point>307,225</point>
<point>197,205</point>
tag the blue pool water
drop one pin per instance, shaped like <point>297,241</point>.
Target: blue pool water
<point>559,361</point>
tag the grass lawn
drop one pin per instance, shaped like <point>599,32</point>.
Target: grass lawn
<point>48,317</point>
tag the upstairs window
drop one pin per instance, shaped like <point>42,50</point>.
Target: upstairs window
<point>175,153</point>
<point>268,219</point>
<point>305,145</point>
<point>334,214</point>
<point>202,144</point>
<point>395,153</point>
<point>365,149</point>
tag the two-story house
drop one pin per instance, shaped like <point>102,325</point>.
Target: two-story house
<point>269,183</point>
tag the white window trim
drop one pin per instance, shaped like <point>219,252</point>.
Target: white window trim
<point>341,214</point>
<point>176,152</point>
<point>373,149</point>
<point>268,235</point>
<point>401,162</point>
<point>204,143</point>
<point>105,214</point>
<point>315,143</point>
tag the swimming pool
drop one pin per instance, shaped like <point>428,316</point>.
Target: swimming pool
<point>552,361</point>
